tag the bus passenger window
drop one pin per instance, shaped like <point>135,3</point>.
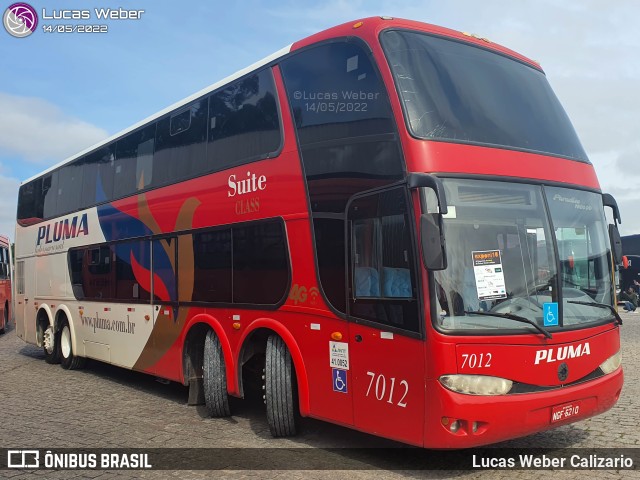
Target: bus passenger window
<point>69,177</point>
<point>244,123</point>
<point>50,195</point>
<point>212,276</point>
<point>180,146</point>
<point>97,176</point>
<point>132,167</point>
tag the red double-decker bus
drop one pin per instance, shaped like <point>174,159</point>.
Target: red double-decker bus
<point>5,282</point>
<point>389,225</point>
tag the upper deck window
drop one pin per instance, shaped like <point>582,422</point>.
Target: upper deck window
<point>244,123</point>
<point>347,138</point>
<point>457,92</point>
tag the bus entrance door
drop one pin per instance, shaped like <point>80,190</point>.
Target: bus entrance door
<point>386,349</point>
<point>388,374</point>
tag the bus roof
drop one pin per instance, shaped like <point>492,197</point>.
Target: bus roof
<point>366,27</point>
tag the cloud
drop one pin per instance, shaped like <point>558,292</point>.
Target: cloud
<point>37,131</point>
<point>629,163</point>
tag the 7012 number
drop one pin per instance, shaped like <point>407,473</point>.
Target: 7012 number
<point>380,389</point>
<point>472,360</point>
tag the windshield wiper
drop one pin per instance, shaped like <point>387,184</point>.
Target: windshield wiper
<point>512,316</point>
<point>601,305</point>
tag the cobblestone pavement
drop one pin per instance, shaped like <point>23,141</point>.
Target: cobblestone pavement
<point>44,406</point>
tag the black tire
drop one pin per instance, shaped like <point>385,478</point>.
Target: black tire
<point>214,377</point>
<point>68,360</point>
<point>280,389</point>
<point>51,346</point>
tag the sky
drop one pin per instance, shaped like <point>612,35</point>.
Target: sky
<point>63,92</point>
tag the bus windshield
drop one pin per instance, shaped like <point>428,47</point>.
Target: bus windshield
<point>511,248</point>
<point>457,92</point>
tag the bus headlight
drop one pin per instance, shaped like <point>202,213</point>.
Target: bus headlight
<point>476,384</point>
<point>612,363</point>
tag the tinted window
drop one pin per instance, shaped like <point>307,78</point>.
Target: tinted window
<point>164,260</point>
<point>212,275</point>
<point>50,195</point>
<point>132,284</point>
<point>30,202</point>
<point>69,188</point>
<point>4,263</point>
<point>244,121</point>
<point>97,173</point>
<point>335,92</point>
<point>382,273</point>
<point>180,145</point>
<point>329,235</point>
<point>454,91</point>
<point>91,272</point>
<point>119,271</point>
<point>134,161</point>
<point>347,136</point>
<point>75,272</point>
<point>180,122</point>
<point>260,265</point>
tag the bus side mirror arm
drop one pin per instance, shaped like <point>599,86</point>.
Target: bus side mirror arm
<point>614,234</point>
<point>609,201</point>
<point>434,252</point>
<point>417,180</point>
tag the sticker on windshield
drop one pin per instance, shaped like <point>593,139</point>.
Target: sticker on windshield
<point>487,267</point>
<point>550,313</point>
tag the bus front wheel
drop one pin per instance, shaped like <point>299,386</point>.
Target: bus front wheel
<point>280,389</point>
<point>68,360</point>
<point>214,377</point>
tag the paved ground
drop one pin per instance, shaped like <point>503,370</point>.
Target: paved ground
<point>43,406</point>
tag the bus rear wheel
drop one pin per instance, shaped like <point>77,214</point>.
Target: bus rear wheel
<point>280,389</point>
<point>68,360</point>
<point>214,377</point>
<point>51,345</point>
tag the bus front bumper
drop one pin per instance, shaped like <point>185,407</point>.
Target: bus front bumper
<point>454,420</point>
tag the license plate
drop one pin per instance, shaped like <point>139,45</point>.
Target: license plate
<point>565,411</point>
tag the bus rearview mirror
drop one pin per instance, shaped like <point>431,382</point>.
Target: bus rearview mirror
<point>616,244</point>
<point>434,253</point>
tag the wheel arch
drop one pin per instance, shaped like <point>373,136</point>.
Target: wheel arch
<point>44,319</point>
<point>264,326</point>
<point>63,311</point>
<point>193,350</point>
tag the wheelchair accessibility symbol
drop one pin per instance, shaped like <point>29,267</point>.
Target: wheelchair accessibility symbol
<point>550,314</point>
<point>339,380</point>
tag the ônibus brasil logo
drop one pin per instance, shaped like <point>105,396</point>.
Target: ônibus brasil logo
<point>20,20</point>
